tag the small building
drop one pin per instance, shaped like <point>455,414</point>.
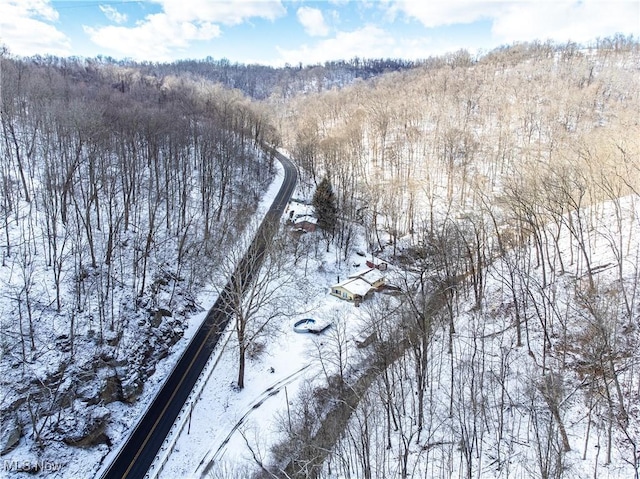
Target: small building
<point>306,223</point>
<point>359,285</point>
<point>372,276</point>
<point>352,289</point>
<point>377,263</point>
<point>301,217</point>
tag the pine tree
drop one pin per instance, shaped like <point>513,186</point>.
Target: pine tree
<point>325,205</point>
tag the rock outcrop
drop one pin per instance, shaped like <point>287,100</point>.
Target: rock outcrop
<point>86,429</point>
<point>10,433</point>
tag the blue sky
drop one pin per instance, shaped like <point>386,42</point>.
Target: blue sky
<point>277,32</point>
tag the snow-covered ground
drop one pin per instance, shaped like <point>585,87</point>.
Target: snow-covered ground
<point>228,433</point>
<point>61,461</point>
<point>211,437</point>
<point>206,299</point>
<point>224,432</point>
<point>223,420</point>
<point>227,427</point>
<point>497,410</point>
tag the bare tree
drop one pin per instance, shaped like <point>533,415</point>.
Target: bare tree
<point>257,291</point>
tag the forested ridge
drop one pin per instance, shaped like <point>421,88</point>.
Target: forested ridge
<point>120,195</point>
<point>506,189</point>
<point>507,183</point>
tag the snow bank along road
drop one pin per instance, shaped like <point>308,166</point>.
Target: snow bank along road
<point>137,454</point>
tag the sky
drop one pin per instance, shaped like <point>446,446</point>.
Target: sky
<point>280,32</point>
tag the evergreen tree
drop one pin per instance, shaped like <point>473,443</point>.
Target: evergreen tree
<point>325,205</point>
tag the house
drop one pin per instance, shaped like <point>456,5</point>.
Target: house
<point>359,285</point>
<point>372,276</point>
<point>377,263</point>
<point>352,289</point>
<point>306,223</point>
<point>301,217</point>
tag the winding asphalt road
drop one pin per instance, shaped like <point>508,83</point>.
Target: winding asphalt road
<point>139,451</point>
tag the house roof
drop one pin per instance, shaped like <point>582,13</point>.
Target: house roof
<point>307,218</point>
<point>370,275</point>
<point>376,261</point>
<point>356,286</point>
<point>301,209</point>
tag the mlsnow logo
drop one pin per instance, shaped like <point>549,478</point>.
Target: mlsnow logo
<point>31,466</point>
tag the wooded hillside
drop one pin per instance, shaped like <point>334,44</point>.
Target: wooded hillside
<point>120,195</point>
<point>503,188</point>
<point>507,190</point>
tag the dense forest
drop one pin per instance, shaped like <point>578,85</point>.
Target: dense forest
<point>119,193</point>
<point>507,189</point>
<point>504,187</point>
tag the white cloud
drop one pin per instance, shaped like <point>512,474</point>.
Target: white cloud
<point>313,21</point>
<point>525,20</point>
<point>157,38</point>
<point>562,21</point>
<point>367,42</point>
<point>225,12</point>
<point>450,12</point>
<point>113,14</point>
<point>164,36</point>
<point>26,28</point>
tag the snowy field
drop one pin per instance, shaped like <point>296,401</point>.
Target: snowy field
<point>226,424</point>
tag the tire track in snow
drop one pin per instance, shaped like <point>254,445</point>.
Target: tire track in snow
<point>275,388</point>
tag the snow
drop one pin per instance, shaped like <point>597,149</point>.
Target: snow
<point>222,432</point>
<point>490,398</point>
<point>220,408</point>
<point>306,218</point>
<point>61,461</point>
<point>228,429</point>
<point>216,406</point>
<point>208,296</point>
<point>371,275</point>
<point>377,262</point>
<point>224,428</point>
<point>225,424</point>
